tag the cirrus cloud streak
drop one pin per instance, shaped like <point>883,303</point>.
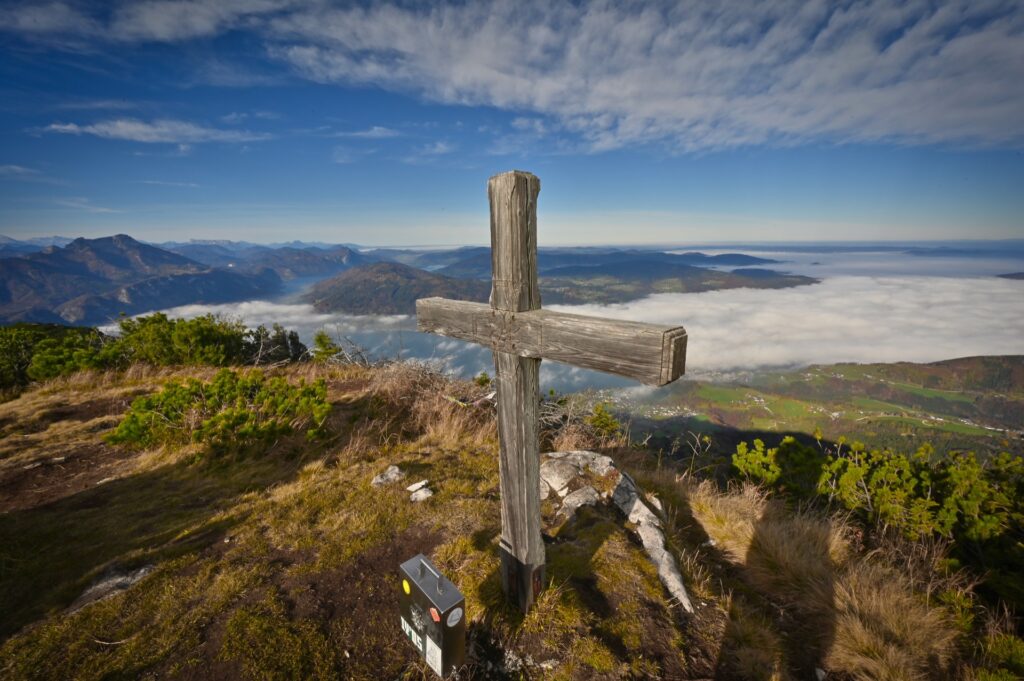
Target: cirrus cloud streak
<point>164,131</point>
<point>687,76</point>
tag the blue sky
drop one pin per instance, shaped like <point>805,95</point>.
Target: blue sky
<point>377,123</point>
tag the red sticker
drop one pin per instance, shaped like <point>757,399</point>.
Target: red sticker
<point>434,616</point>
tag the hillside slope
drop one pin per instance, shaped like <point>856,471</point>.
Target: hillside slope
<point>91,281</point>
<point>967,404</point>
<point>389,288</point>
<point>279,560</point>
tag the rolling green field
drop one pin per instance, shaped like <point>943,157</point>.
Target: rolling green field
<point>974,403</point>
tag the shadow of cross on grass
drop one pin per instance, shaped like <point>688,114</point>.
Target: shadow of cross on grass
<point>520,335</point>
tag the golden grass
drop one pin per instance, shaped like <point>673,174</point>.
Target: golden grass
<point>867,617</point>
<point>237,544</point>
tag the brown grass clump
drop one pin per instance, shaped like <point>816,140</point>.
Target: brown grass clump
<point>753,649</point>
<point>839,610</point>
<point>884,631</point>
<point>572,436</point>
<point>440,410</point>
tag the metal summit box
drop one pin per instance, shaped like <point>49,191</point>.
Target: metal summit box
<point>433,615</point>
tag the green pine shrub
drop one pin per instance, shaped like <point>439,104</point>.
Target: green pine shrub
<point>41,352</point>
<point>229,413</point>
<point>976,504</point>
<point>604,422</point>
<point>324,347</point>
<point>20,343</point>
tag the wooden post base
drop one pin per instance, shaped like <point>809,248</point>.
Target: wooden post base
<point>522,582</point>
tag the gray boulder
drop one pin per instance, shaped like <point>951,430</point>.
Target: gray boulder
<point>391,474</point>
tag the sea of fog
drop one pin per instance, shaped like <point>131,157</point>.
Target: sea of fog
<point>872,305</point>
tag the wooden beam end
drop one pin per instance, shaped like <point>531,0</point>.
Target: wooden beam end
<point>673,357</point>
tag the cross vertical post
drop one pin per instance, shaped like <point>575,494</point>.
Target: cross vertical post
<point>514,288</point>
<point>520,334</point>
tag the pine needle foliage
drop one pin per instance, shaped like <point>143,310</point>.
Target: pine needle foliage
<point>228,413</point>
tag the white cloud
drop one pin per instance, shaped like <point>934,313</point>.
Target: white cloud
<point>17,171</point>
<point>855,319</point>
<point>531,125</point>
<point>165,183</point>
<point>83,204</point>
<point>343,155</point>
<point>375,132</point>
<point>47,18</point>
<point>166,131</point>
<point>174,20</point>
<point>858,319</point>
<point>239,116</point>
<point>701,75</point>
<point>97,105</point>
<point>436,149</point>
<point>428,153</point>
<point>300,316</point>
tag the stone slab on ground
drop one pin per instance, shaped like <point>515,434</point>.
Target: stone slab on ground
<point>421,494</point>
<point>559,470</point>
<point>108,586</point>
<point>391,474</point>
<point>584,496</point>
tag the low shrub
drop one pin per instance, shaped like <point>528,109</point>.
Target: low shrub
<point>228,413</point>
<point>978,505</point>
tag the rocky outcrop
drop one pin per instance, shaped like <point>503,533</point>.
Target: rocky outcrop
<point>582,478</point>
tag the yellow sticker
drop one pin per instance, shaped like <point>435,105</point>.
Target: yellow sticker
<point>405,586</point>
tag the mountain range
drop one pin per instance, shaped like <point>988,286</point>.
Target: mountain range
<point>93,281</point>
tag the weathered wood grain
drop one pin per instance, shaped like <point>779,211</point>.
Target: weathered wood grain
<point>522,549</point>
<point>513,199</point>
<point>649,353</point>
<point>514,288</point>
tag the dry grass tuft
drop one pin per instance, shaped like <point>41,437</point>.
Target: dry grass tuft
<point>441,410</point>
<point>885,631</point>
<point>573,436</point>
<point>753,649</point>
<point>847,612</point>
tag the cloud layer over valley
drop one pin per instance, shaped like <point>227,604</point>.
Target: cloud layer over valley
<point>856,319</point>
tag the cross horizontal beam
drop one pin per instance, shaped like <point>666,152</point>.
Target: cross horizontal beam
<point>649,353</point>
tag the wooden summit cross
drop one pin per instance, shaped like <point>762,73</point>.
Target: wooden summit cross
<point>520,334</point>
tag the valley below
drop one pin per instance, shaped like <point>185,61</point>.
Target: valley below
<point>968,404</point>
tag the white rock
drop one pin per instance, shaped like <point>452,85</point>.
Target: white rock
<point>558,474</point>
<point>627,498</point>
<point>108,586</point>
<point>416,486</point>
<point>545,490</point>
<point>391,474</point>
<point>655,502</point>
<point>420,494</point>
<point>584,496</point>
<point>598,464</point>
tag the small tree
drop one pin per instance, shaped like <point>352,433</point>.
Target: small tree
<point>324,347</point>
<point>603,422</point>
